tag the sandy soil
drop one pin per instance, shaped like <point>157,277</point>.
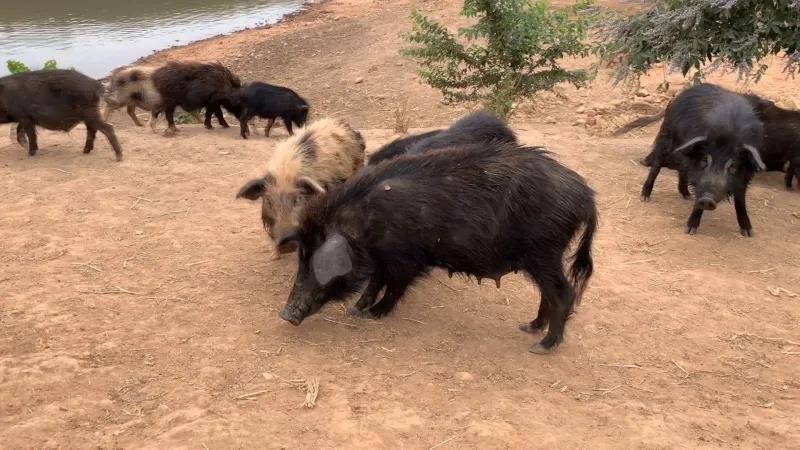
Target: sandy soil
<point>140,305</point>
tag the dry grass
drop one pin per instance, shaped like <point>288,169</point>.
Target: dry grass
<point>402,119</point>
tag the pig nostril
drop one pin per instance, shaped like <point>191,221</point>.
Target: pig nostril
<point>287,248</point>
<point>708,204</point>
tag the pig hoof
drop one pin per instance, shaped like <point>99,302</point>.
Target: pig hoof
<point>119,157</point>
<point>353,311</point>
<point>528,328</point>
<point>691,230</point>
<point>746,233</point>
<point>539,349</point>
<point>170,132</point>
<point>644,198</point>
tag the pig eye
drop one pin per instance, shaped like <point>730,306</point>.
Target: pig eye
<point>705,162</point>
<point>730,167</point>
<point>120,83</point>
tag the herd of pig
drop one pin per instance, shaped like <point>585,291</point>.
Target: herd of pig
<point>469,198</point>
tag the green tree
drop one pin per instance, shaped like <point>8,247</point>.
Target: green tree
<point>704,35</point>
<point>512,51</point>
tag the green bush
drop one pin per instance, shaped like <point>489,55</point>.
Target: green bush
<point>513,51</point>
<point>704,35</point>
<point>15,67</point>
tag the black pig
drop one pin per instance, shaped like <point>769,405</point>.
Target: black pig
<point>483,209</point>
<point>711,136</point>
<point>55,100</point>
<point>480,126</point>
<point>399,147</point>
<point>781,147</point>
<point>270,102</point>
<point>192,86</point>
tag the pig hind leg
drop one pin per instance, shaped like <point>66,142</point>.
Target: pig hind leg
<point>793,171</point>
<point>661,147</point>
<point>559,296</point>
<point>220,116</point>
<point>540,322</point>
<point>170,113</point>
<point>95,124</point>
<point>91,133</point>
<point>30,131</point>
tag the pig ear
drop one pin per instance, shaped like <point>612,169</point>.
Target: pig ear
<point>253,189</point>
<point>309,186</point>
<point>754,157</point>
<point>692,146</point>
<point>332,259</point>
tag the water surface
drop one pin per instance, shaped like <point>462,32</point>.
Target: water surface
<point>96,36</point>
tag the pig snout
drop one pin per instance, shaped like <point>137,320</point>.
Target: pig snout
<point>287,243</point>
<point>292,316</point>
<point>707,202</point>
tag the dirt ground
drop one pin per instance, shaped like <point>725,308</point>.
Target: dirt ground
<point>140,307</point>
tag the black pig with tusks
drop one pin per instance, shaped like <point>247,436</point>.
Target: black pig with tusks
<point>483,209</point>
<point>55,100</point>
<point>481,126</point>
<point>711,136</point>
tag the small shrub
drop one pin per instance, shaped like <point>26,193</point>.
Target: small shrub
<point>512,52</point>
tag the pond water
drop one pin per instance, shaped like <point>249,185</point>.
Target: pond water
<point>95,36</point>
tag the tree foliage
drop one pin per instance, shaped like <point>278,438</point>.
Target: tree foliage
<point>704,35</point>
<point>512,51</point>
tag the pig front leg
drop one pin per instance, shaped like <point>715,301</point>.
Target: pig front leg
<point>694,221</point>
<point>394,291</point>
<point>745,227</point>
<point>132,114</point>
<point>30,131</point>
<point>22,139</point>
<point>360,309</point>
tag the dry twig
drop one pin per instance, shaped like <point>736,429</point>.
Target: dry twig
<point>250,395</point>
<point>339,323</point>
<point>623,366</point>
<point>312,391</point>
<point>686,374</point>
